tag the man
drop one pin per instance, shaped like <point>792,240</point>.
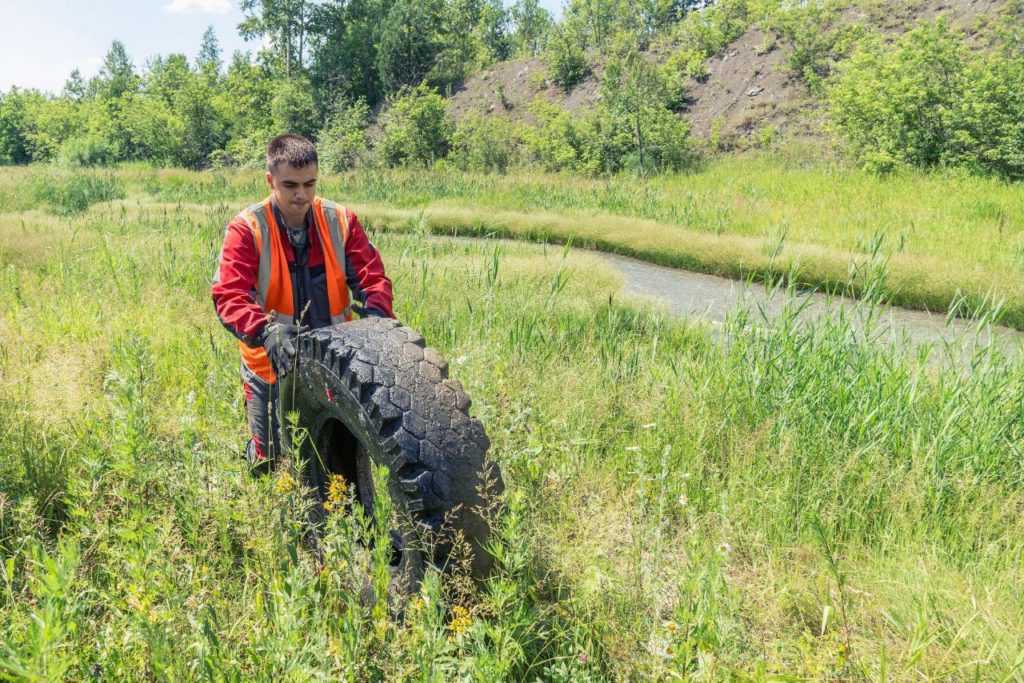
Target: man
<point>287,265</point>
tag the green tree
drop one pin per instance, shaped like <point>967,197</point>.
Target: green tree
<point>408,43</point>
<point>284,22</point>
<point>415,128</point>
<point>75,87</point>
<point>208,61</point>
<point>13,125</point>
<point>486,143</point>
<point>635,93</point>
<point>343,142</point>
<point>117,76</point>
<point>531,24</point>
<point>565,59</point>
<point>292,108</point>
<point>899,106</point>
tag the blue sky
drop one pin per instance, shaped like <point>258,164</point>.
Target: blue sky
<point>44,40</point>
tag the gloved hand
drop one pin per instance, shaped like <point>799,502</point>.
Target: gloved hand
<point>279,343</point>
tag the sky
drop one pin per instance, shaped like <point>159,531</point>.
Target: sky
<point>45,40</point>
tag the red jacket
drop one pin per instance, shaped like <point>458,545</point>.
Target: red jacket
<point>239,262</point>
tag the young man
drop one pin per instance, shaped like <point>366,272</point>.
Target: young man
<point>287,264</point>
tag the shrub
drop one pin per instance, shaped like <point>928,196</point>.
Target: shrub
<point>486,143</point>
<point>342,144</point>
<point>566,62</point>
<point>929,102</point>
<point>69,193</point>
<point>558,140</point>
<point>415,128</point>
<point>87,150</point>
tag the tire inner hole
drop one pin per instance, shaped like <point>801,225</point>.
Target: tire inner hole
<point>342,454</point>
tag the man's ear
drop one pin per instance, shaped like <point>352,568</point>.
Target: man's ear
<point>270,179</point>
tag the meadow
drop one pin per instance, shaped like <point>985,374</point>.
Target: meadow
<point>798,503</point>
<point>944,237</point>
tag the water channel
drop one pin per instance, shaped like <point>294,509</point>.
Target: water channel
<point>712,298</point>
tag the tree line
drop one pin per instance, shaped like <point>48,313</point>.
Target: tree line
<point>325,69</point>
<point>367,80</point>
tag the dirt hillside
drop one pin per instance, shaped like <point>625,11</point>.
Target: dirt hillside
<point>748,88</point>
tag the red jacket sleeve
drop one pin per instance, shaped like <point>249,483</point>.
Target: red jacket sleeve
<point>364,272</point>
<point>234,283</point>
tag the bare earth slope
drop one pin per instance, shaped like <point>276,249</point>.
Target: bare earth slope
<point>748,87</point>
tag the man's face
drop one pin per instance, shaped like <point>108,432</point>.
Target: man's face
<point>293,190</point>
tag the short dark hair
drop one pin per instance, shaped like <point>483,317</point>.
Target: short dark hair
<point>294,150</point>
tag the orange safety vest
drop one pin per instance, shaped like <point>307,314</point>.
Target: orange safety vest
<point>274,283</point>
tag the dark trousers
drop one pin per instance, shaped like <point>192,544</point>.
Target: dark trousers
<point>264,422</point>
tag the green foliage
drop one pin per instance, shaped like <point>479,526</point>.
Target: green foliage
<point>682,502</point>
<point>70,193</point>
<point>818,42</point>
<point>486,143</point>
<point>638,99</point>
<point>292,109</point>
<point>284,23</point>
<point>415,128</point>
<point>532,24</point>
<point>342,144</point>
<point>13,128</point>
<point>930,101</point>
<point>88,150</point>
<point>705,33</point>
<point>565,59</point>
<point>633,128</point>
<point>409,43</point>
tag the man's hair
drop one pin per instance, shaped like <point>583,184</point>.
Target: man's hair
<point>294,150</point>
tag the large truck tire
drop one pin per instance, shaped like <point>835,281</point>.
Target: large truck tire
<point>370,392</point>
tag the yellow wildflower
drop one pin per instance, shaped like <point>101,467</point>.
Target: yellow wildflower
<point>285,484</point>
<point>460,621</point>
<point>336,491</point>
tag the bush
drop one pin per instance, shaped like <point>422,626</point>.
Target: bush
<point>603,140</point>
<point>486,143</point>
<point>69,193</point>
<point>929,102</point>
<point>87,150</point>
<point>817,46</point>
<point>558,142</point>
<point>566,62</point>
<point>415,128</point>
<point>292,109</point>
<point>342,144</point>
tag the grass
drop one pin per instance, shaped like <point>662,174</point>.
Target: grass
<point>944,236</point>
<point>798,503</point>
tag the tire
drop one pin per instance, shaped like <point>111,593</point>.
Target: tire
<point>370,392</point>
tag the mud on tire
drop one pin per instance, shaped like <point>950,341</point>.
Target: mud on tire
<point>370,392</point>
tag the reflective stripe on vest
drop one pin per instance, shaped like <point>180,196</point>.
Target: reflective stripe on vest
<point>277,296</point>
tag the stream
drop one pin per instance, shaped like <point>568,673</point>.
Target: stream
<point>711,298</point>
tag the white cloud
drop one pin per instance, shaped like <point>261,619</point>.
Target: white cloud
<point>198,6</point>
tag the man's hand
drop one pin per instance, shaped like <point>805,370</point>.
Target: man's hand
<point>279,342</point>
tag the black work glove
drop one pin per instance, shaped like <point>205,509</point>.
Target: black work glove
<point>279,343</point>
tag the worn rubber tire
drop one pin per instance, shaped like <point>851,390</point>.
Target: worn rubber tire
<point>372,391</point>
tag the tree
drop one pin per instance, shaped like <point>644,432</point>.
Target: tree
<point>285,23</point>
<point>13,122</point>
<point>635,96</point>
<point>74,87</point>
<point>208,62</point>
<point>117,75</point>
<point>343,43</point>
<point>416,128</point>
<point>408,43</point>
<point>531,26</point>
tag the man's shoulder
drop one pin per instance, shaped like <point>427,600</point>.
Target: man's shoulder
<point>331,204</point>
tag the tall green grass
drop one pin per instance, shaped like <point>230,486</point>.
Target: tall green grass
<point>945,236</point>
<point>795,501</point>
